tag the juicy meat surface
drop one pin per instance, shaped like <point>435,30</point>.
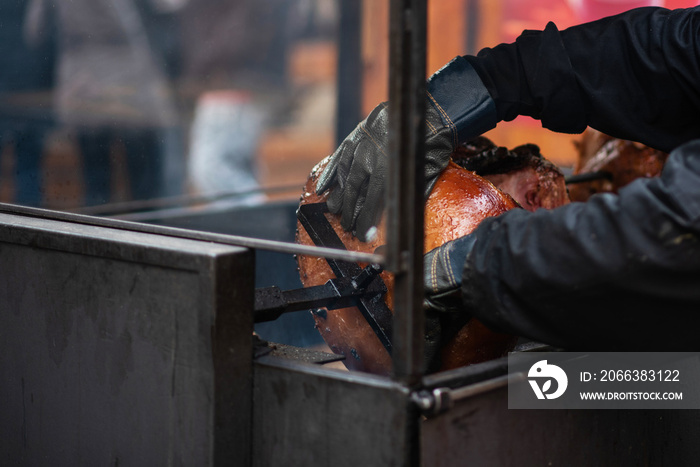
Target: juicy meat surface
<point>459,201</point>
<point>623,161</point>
<point>522,172</point>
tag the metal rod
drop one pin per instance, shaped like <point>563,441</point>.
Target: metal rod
<point>589,177</point>
<point>261,244</point>
<point>484,386</point>
<point>405,203</point>
<point>349,93</point>
<point>473,11</point>
<point>128,207</point>
<point>405,187</point>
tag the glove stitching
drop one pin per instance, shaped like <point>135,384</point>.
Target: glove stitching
<point>433,273</point>
<point>374,141</point>
<point>451,125</point>
<point>432,128</point>
<point>448,268</point>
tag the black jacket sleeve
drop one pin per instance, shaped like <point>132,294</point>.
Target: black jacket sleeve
<point>633,76</point>
<point>617,272</point>
<point>620,271</point>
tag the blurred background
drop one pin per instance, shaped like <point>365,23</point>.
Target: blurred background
<point>210,114</point>
<point>113,101</point>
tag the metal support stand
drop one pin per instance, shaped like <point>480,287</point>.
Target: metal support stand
<point>349,76</point>
<point>404,201</point>
<point>405,187</point>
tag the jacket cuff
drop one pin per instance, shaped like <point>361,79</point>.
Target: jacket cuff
<point>461,99</point>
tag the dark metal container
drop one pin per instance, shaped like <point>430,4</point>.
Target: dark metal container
<point>274,221</point>
<point>122,348</point>
<point>304,415</point>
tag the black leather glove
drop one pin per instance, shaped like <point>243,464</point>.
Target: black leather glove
<point>445,311</point>
<point>459,108</point>
<point>442,275</point>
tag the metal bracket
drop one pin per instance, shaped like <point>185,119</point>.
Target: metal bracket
<point>433,402</point>
<point>342,292</point>
<point>352,286</point>
<point>374,310</point>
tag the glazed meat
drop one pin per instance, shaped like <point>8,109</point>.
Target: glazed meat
<point>522,172</point>
<point>459,201</point>
<point>622,161</point>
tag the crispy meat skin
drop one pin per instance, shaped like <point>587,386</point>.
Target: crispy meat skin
<point>522,172</point>
<point>460,200</point>
<point>624,160</point>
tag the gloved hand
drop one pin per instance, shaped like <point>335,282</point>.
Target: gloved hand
<point>442,275</point>
<point>459,108</point>
<point>445,313</point>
